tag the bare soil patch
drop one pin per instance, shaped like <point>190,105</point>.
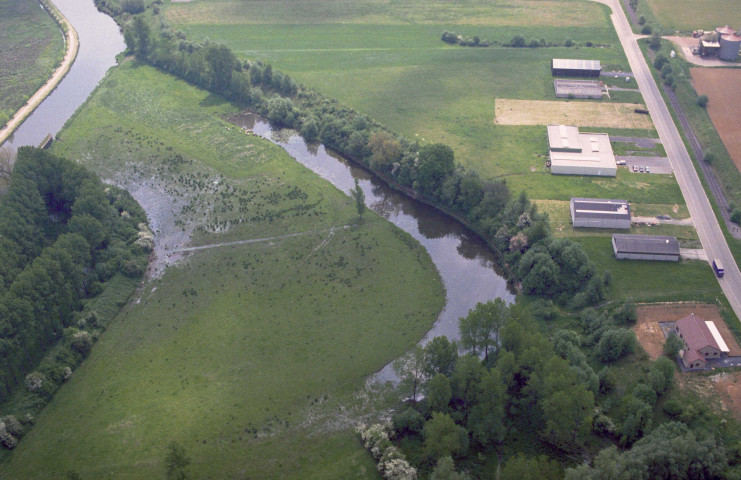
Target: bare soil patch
<point>728,388</point>
<point>582,114</point>
<point>652,339</point>
<point>721,87</point>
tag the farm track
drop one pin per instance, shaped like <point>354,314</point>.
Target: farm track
<point>73,45</point>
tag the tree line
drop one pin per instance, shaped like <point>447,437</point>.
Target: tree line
<point>510,223</point>
<point>63,234</point>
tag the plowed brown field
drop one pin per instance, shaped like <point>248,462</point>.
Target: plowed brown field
<point>721,85</point>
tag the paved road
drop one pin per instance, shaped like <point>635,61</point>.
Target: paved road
<point>698,204</point>
<point>72,45</point>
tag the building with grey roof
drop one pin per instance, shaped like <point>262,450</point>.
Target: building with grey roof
<point>600,213</point>
<point>575,153</point>
<point>645,247</point>
<point>566,67</point>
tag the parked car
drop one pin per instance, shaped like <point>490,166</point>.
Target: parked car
<point>635,168</point>
<point>640,169</point>
<point>648,170</point>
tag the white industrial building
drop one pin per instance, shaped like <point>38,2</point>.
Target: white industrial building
<point>574,153</point>
<point>600,213</point>
<point>645,247</point>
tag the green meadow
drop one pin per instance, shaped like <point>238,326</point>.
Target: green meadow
<point>690,15</point>
<point>253,356</point>
<point>32,46</point>
<point>393,66</point>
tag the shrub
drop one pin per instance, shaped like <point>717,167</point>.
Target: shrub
<point>517,41</point>
<point>660,61</point>
<point>533,43</point>
<point>646,30</point>
<point>34,381</point>
<point>603,425</point>
<point>645,394</point>
<point>81,342</point>
<point>615,344</point>
<point>736,215</point>
<point>702,101</point>
<point>641,20</point>
<point>709,158</point>
<point>673,407</point>
<point>410,420</point>
<point>568,43</point>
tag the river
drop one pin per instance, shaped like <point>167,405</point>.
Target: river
<point>466,265</point>
<point>100,42</point>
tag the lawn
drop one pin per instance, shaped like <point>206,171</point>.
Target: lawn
<point>693,14</point>
<point>254,356</point>
<point>32,46</point>
<point>652,281</point>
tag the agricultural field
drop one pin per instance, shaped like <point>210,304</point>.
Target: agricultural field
<point>245,354</point>
<point>690,15</point>
<point>723,106</point>
<point>32,46</point>
<point>585,114</point>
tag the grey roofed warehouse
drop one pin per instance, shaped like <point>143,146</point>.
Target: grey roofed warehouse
<point>645,247</point>
<point>566,67</point>
<point>600,213</point>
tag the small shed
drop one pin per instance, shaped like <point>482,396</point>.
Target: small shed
<point>700,342</point>
<point>600,213</point>
<point>645,247</point>
<point>709,45</point>
<point>564,67</point>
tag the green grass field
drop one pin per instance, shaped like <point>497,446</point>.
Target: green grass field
<point>32,46</point>
<point>693,14</point>
<point>400,73</point>
<point>253,357</point>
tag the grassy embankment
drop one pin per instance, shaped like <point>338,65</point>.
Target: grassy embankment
<point>252,356</point>
<point>32,46</point>
<point>392,65</point>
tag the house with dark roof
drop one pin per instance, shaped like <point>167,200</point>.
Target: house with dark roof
<point>645,247</point>
<point>600,213</point>
<point>702,342</point>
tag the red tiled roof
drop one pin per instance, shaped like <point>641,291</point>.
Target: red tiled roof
<point>696,333</point>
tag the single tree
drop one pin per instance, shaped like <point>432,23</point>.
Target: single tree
<point>411,371</point>
<point>439,393</point>
<point>673,345</point>
<point>176,462</point>
<point>703,100</point>
<point>359,196</point>
<point>440,356</point>
<point>443,437</point>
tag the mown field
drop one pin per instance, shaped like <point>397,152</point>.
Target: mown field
<point>693,14</point>
<point>252,356</point>
<point>32,46</point>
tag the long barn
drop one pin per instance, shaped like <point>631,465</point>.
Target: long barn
<point>645,247</point>
<point>563,67</point>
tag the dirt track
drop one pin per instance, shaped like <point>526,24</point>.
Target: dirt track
<point>721,87</point>
<point>73,45</point>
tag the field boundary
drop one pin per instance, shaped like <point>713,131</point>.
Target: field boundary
<point>72,44</point>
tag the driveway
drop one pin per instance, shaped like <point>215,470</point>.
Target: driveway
<point>708,229</point>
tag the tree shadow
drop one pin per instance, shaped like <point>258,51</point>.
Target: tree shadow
<point>213,100</point>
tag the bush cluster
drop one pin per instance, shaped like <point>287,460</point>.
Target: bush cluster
<point>392,463</point>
